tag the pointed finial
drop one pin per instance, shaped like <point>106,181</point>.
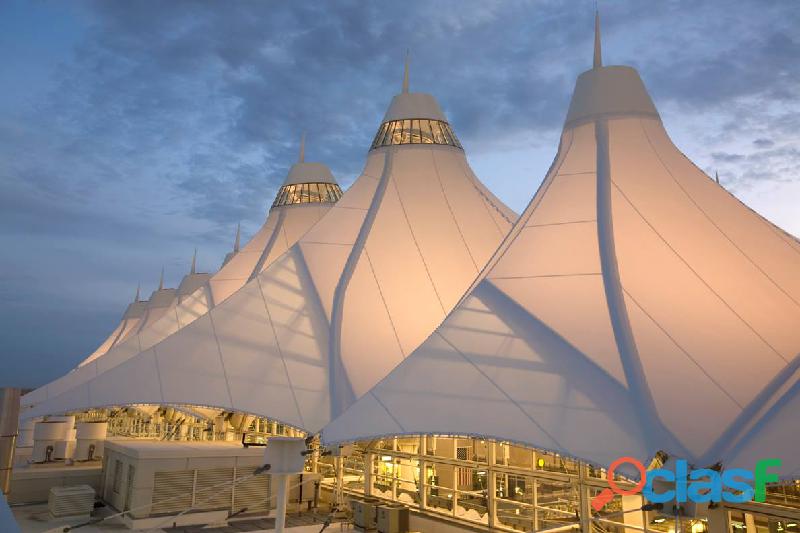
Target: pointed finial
<point>302,148</point>
<point>194,263</point>
<point>598,52</point>
<point>161,281</point>
<point>238,237</point>
<point>405,73</point>
<point>138,290</point>
<point>716,177</point>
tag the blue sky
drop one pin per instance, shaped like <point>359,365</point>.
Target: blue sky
<point>133,132</point>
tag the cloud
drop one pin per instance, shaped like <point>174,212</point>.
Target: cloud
<point>162,125</point>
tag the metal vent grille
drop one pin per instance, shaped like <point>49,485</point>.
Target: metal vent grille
<point>172,491</point>
<point>253,493</point>
<point>71,501</point>
<point>207,498</point>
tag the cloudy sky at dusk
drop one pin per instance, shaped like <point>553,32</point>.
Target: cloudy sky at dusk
<point>133,132</point>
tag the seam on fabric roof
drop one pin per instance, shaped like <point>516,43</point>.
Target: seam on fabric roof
<point>158,374</point>
<point>759,411</point>
<point>221,359</point>
<point>209,296</point>
<point>782,234</point>
<point>697,275</point>
<point>534,276</point>
<point>562,223</point>
<point>383,300</point>
<point>711,220</point>
<point>268,247</point>
<point>300,260</point>
<point>682,349</point>
<point>416,245</point>
<point>452,214</point>
<point>521,223</point>
<point>177,319</point>
<point>280,352</point>
<point>500,390</point>
<point>402,429</point>
<point>656,433</point>
<point>487,201</point>
<point>337,306</point>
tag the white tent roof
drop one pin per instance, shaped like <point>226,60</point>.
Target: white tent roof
<point>323,323</point>
<point>168,310</point>
<point>636,306</point>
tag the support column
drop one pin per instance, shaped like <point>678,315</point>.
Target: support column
<point>9,420</point>
<point>282,483</point>
<point>368,479</point>
<point>338,492</point>
<point>718,520</point>
<point>585,510</point>
<point>491,489</point>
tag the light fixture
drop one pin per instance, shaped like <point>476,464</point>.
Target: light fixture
<point>659,520</point>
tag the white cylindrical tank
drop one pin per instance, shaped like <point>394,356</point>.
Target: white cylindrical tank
<point>45,436</point>
<point>91,440</point>
<point>25,437</point>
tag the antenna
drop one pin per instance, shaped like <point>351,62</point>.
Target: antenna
<point>405,72</point>
<point>161,281</point>
<point>194,263</point>
<point>598,52</point>
<point>238,236</point>
<point>138,290</point>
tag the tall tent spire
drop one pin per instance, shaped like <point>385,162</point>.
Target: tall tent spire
<point>194,263</point>
<point>161,281</point>
<point>405,73</point>
<point>716,176</point>
<point>138,290</point>
<point>598,52</point>
<point>302,148</point>
<point>238,237</point>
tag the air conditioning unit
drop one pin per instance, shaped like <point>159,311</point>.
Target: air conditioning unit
<point>392,519</point>
<point>364,513</point>
<point>77,500</point>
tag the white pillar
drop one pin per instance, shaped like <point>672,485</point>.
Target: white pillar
<point>368,480</point>
<point>282,483</point>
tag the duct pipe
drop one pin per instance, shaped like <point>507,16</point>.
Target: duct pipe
<point>9,420</point>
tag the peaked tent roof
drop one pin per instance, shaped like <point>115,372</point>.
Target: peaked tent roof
<point>169,310</point>
<point>363,288</point>
<point>636,306</point>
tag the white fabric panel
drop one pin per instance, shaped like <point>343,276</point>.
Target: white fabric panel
<point>192,307</point>
<point>70,380</point>
<point>121,352</point>
<point>775,253</point>
<point>105,345</point>
<point>189,359</point>
<point>683,305</point>
<point>341,224</point>
<point>688,401</point>
<point>325,263</point>
<point>360,344</point>
<point>159,328</point>
<point>685,228</point>
<point>134,381</point>
<point>434,230</point>
<point>301,331</point>
<point>131,326</point>
<point>479,222</point>
<point>772,434</point>
<point>253,363</point>
<point>576,308</point>
<point>570,198</point>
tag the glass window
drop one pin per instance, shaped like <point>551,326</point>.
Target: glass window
<point>307,193</point>
<point>425,131</point>
<point>406,132</point>
<point>415,131</point>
